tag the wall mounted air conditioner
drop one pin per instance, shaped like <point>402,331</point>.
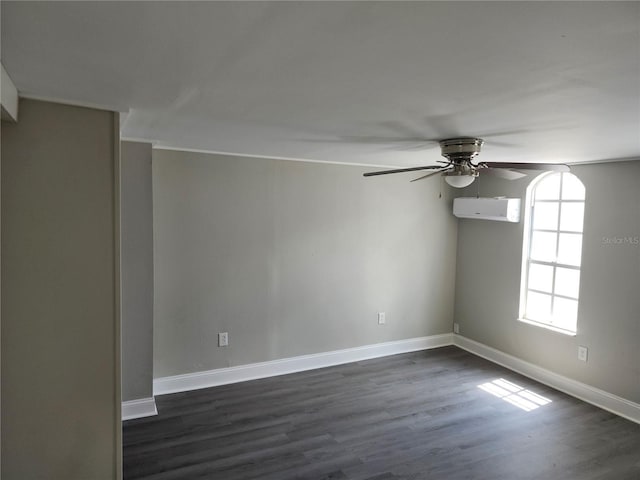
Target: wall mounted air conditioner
<point>501,209</point>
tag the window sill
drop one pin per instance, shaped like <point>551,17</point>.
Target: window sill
<point>548,327</point>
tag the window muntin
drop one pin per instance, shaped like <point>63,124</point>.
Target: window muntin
<point>552,251</point>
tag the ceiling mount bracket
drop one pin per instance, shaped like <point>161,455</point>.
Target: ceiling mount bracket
<point>462,148</point>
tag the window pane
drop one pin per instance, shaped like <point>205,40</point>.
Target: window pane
<point>545,215</point>
<point>540,277</point>
<point>538,307</point>
<point>565,313</point>
<point>548,188</point>
<point>567,282</point>
<point>570,249</point>
<point>543,246</point>
<point>555,234</point>
<point>572,188</point>
<point>571,215</point>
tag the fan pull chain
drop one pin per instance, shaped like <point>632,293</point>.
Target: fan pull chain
<point>441,180</point>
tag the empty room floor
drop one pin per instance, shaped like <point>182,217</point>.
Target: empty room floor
<point>436,414</point>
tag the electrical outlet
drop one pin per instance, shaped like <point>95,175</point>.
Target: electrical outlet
<point>223,339</point>
<point>382,319</point>
<point>456,328</point>
<point>583,353</point>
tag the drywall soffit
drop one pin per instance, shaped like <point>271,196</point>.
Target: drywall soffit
<point>9,97</point>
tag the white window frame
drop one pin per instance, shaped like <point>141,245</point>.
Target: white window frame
<point>527,260</point>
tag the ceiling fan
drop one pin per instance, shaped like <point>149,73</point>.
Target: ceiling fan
<point>459,170</point>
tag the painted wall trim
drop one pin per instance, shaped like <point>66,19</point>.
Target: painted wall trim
<point>242,373</point>
<point>605,400</point>
<point>142,407</point>
<point>158,146</point>
<point>8,97</point>
<point>117,294</point>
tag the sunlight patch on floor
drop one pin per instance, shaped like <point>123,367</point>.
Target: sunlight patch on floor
<point>514,394</point>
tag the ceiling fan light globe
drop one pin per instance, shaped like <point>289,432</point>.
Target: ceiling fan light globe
<point>459,181</point>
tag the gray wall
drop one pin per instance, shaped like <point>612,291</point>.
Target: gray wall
<point>292,258</point>
<point>60,336</point>
<point>488,283</point>
<point>137,271</point>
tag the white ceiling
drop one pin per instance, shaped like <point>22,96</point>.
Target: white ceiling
<point>355,82</point>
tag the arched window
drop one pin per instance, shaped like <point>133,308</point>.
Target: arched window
<point>552,251</point>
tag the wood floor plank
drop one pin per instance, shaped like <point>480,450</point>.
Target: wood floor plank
<point>414,416</point>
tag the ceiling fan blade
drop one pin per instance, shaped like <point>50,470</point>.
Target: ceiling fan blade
<point>443,125</point>
<point>504,173</point>
<point>401,170</point>
<point>421,145</point>
<point>428,175</point>
<point>368,139</point>
<point>550,167</point>
<point>503,133</point>
<point>401,128</point>
<point>388,143</point>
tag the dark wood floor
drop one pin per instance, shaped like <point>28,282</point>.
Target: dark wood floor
<point>412,416</point>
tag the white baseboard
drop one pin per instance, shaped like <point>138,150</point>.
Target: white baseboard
<point>242,373</point>
<point>587,393</point>
<point>143,407</point>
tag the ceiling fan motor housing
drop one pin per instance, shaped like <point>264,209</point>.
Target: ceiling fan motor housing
<point>461,149</point>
